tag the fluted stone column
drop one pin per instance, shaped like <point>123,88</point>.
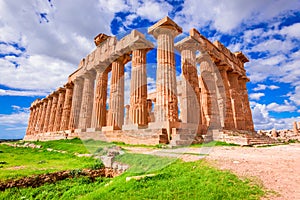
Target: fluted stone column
<point>209,86</point>
<point>38,119</point>
<point>166,108</point>
<point>76,103</point>
<point>190,109</point>
<point>245,102</point>
<point>99,110</point>
<point>42,120</point>
<point>86,110</point>
<point>48,113</point>
<point>67,107</point>
<point>138,89</point>
<point>115,116</point>
<point>59,108</point>
<point>31,116</point>
<point>53,111</point>
<point>32,128</point>
<point>228,122</point>
<point>238,115</point>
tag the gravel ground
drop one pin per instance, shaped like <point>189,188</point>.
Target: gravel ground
<point>277,168</point>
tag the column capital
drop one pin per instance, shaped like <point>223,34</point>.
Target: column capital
<point>61,89</point>
<point>165,25</point>
<point>187,43</point>
<point>90,74</point>
<point>224,68</point>
<point>245,78</point>
<point>69,85</point>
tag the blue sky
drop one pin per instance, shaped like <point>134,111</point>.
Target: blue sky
<point>42,42</point>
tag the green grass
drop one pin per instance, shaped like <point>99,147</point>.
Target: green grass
<point>19,162</point>
<point>75,145</point>
<point>194,180</point>
<point>174,179</point>
<point>214,143</point>
<point>66,189</point>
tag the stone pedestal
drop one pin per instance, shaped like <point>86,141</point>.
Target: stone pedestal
<point>115,116</point>
<point>138,89</point>
<point>166,107</point>
<point>99,110</point>
<point>86,110</point>
<point>67,107</point>
<point>76,104</point>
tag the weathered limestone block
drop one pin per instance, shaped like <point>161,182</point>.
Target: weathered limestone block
<point>166,107</point>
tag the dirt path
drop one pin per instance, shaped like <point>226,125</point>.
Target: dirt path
<point>277,167</point>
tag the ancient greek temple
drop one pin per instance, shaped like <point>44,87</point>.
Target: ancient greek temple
<point>210,98</point>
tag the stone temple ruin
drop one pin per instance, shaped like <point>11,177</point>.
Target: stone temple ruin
<point>211,99</point>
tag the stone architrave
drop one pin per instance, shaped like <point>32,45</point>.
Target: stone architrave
<point>85,117</point>
<point>67,107</point>
<point>246,106</point>
<point>59,108</point>
<point>166,107</point>
<point>99,110</point>
<point>238,115</point>
<point>44,109</point>
<point>228,122</point>
<point>138,89</point>
<point>53,111</point>
<point>190,95</point>
<point>76,103</point>
<point>115,116</point>
<point>47,115</point>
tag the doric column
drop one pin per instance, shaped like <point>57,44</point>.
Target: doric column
<point>86,110</point>
<point>115,116</point>
<point>67,107</point>
<point>76,104</point>
<point>245,101</point>
<point>99,110</point>
<point>166,107</point>
<point>32,128</point>
<point>238,116</point>
<point>59,108</point>
<point>31,116</point>
<point>138,88</point>
<point>228,122</point>
<point>48,113</point>
<point>190,110</point>
<point>38,119</point>
<point>53,111</point>
<point>42,120</point>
